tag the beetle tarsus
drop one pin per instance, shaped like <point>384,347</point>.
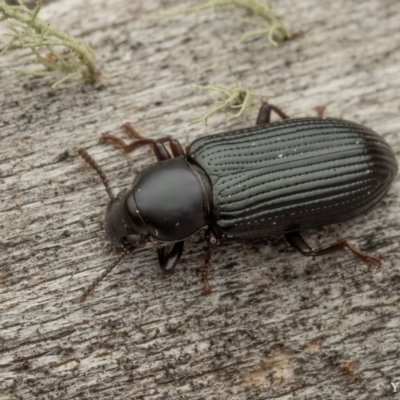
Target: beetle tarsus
<point>297,241</point>
<point>204,271</point>
<point>367,258</point>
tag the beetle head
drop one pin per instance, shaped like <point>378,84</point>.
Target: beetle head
<point>123,224</point>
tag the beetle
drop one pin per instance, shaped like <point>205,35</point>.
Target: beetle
<point>276,178</point>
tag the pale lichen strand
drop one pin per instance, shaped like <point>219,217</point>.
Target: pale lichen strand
<point>56,50</point>
<point>264,18</point>
<point>234,98</point>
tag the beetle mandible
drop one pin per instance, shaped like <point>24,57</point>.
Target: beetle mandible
<point>275,178</point>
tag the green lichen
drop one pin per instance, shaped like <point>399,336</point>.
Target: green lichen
<point>57,51</point>
<point>264,17</point>
<point>234,98</point>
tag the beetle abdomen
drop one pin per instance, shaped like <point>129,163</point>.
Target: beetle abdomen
<point>293,175</point>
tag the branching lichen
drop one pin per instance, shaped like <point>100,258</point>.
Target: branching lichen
<point>264,18</point>
<point>234,98</point>
<point>59,52</point>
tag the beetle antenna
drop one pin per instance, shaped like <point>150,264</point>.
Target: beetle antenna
<point>88,158</point>
<point>90,288</point>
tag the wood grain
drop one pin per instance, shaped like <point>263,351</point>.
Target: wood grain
<point>278,325</point>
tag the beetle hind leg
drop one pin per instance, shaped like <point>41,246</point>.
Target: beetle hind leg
<point>264,115</point>
<point>297,241</point>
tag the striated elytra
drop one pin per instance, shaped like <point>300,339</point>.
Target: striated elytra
<point>271,179</point>
<point>293,175</point>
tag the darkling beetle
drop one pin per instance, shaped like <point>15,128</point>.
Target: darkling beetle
<point>271,179</point>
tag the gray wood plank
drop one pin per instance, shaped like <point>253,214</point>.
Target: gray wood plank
<point>277,325</point>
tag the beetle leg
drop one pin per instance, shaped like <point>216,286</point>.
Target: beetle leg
<point>320,111</point>
<point>204,270</point>
<point>157,145</point>
<point>264,115</point>
<point>176,147</point>
<point>212,242</point>
<point>130,130</point>
<point>159,149</point>
<point>296,240</point>
<point>212,239</point>
<point>169,258</point>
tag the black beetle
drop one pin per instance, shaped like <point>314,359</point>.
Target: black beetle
<point>271,179</point>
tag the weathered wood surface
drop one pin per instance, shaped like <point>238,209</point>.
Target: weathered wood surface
<point>278,325</point>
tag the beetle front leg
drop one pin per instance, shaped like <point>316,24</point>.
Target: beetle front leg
<point>204,270</point>
<point>157,145</point>
<point>297,241</point>
<point>169,258</point>
<point>212,242</point>
<point>158,148</point>
<point>176,148</point>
